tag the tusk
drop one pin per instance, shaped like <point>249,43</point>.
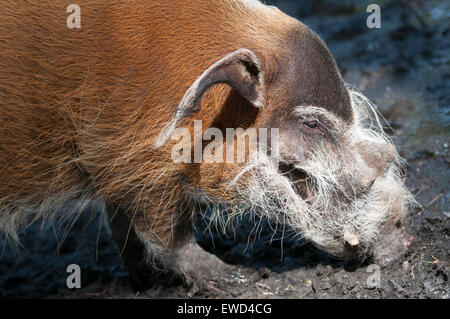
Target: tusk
<point>352,239</point>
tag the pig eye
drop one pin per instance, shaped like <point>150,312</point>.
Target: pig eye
<point>311,124</point>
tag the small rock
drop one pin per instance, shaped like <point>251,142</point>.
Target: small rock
<point>405,266</point>
<point>429,285</point>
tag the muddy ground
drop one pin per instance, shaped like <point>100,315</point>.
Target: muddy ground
<point>405,68</point>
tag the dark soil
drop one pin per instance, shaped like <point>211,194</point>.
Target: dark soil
<point>405,68</point>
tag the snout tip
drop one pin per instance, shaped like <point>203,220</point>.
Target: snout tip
<point>393,246</point>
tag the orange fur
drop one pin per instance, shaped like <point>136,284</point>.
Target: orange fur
<point>80,108</point>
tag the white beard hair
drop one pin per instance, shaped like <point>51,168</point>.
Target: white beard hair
<point>321,218</point>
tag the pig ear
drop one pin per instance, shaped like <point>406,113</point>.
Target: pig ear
<point>240,69</point>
